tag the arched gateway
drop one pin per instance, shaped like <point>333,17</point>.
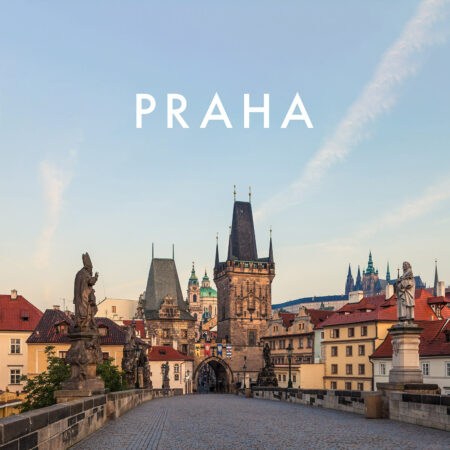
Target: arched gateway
<point>213,374</point>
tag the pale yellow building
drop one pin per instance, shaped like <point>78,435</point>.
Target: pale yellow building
<point>53,330</point>
<point>18,318</point>
<point>355,331</point>
<point>117,309</point>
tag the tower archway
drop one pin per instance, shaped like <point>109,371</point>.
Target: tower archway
<point>213,374</point>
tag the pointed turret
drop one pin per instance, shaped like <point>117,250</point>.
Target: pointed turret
<point>193,279</point>
<point>230,247</point>
<point>349,285</point>
<point>242,238</point>
<point>436,279</point>
<point>388,273</point>
<point>370,269</point>
<point>270,248</point>
<point>216,264</point>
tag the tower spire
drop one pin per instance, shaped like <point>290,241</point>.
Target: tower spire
<point>216,264</point>
<point>249,194</point>
<point>234,192</point>
<point>173,252</point>
<point>388,273</point>
<point>153,250</point>
<point>270,248</point>
<point>230,247</point>
<point>436,279</point>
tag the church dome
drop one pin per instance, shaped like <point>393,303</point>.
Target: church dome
<point>208,292</point>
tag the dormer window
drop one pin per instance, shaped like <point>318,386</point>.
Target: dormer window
<point>62,328</point>
<point>103,331</point>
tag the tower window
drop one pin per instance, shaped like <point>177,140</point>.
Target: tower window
<point>194,298</point>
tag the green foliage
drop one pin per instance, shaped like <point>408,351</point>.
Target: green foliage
<point>40,389</point>
<point>111,375</point>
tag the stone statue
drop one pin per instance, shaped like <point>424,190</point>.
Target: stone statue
<point>266,376</point>
<point>405,288</point>
<point>85,352</point>
<point>165,373</point>
<point>143,362</point>
<point>129,363</point>
<point>84,295</point>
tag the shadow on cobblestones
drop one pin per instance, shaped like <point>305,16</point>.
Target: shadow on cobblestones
<point>230,422</point>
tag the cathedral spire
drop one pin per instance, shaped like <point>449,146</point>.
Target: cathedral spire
<point>349,285</point>
<point>436,279</point>
<point>370,269</point>
<point>358,284</point>
<point>388,273</point>
<point>270,248</point>
<point>216,265</point>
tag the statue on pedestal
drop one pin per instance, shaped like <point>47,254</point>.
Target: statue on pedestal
<point>165,373</point>
<point>129,363</point>
<point>405,288</point>
<point>84,353</point>
<point>143,362</point>
<point>266,376</point>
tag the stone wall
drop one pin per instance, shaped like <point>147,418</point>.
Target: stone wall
<point>421,409</point>
<point>63,425</point>
<point>350,401</point>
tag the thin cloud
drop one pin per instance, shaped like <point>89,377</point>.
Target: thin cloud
<point>54,180</point>
<point>398,63</point>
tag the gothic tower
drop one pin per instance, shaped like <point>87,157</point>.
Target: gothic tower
<point>349,285</point>
<point>358,284</point>
<point>193,300</point>
<point>243,281</point>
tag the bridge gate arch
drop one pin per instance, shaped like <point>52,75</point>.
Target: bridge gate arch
<point>213,374</point>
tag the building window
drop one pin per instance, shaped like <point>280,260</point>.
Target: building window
<point>194,298</point>
<point>360,386</point>
<point>334,369</point>
<point>447,371</point>
<point>279,377</point>
<point>15,346</point>
<point>103,331</point>
<point>184,334</point>
<point>334,351</point>
<point>294,378</point>
<point>351,332</point>
<point>426,368</point>
<point>382,369</point>
<point>114,309</point>
<point>361,350</point>
<point>300,342</point>
<point>349,350</point>
<point>309,342</point>
<point>165,333</point>
<point>333,385</point>
<point>322,334</point>
<point>281,344</point>
<point>348,369</point>
<point>364,331</point>
<point>176,377</point>
<point>14,375</point>
<point>348,385</point>
<point>335,333</point>
<point>62,354</point>
<point>105,355</point>
<point>284,377</point>
<point>184,348</point>
<point>361,369</point>
<point>252,337</point>
<point>291,343</point>
<point>176,368</point>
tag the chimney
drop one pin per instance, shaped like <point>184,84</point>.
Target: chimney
<point>14,294</point>
<point>56,307</point>
<point>440,289</point>
<point>355,296</point>
<point>389,291</point>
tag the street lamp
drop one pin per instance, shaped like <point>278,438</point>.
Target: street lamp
<point>244,368</point>
<point>289,355</point>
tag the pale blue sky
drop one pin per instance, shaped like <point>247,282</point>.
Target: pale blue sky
<point>78,176</point>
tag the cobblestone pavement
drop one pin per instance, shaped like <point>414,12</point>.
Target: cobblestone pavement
<point>231,422</point>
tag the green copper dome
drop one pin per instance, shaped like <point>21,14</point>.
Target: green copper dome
<point>208,292</point>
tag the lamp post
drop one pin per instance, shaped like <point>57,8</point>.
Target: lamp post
<point>289,355</point>
<point>244,368</point>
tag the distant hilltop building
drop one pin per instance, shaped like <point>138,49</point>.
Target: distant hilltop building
<point>324,302</point>
<point>370,283</point>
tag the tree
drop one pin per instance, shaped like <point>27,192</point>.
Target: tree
<point>111,375</point>
<point>40,389</point>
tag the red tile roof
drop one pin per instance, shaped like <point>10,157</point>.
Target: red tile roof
<point>18,314</point>
<point>288,318</point>
<point>166,353</point>
<point>318,316</point>
<point>139,325</point>
<point>377,308</point>
<point>46,330</point>
<point>433,340</point>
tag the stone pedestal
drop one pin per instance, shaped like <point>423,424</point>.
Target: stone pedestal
<point>83,356</point>
<point>405,354</point>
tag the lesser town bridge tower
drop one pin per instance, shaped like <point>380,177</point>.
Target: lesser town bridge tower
<point>244,298</point>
